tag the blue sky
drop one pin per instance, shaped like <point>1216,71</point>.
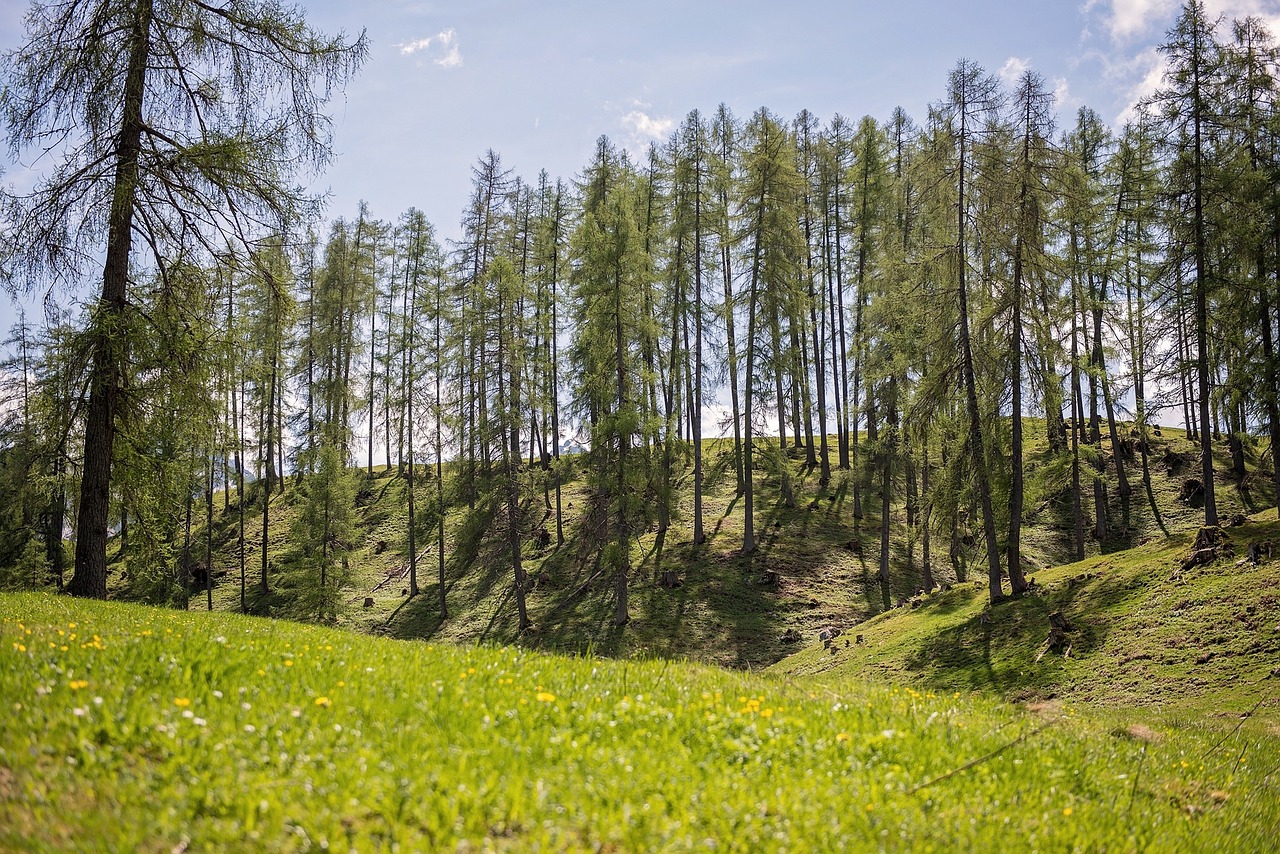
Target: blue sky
<point>538,82</point>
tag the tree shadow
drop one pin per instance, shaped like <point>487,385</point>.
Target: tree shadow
<point>996,648</point>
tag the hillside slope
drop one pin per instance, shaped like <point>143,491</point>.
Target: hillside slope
<point>1143,629</point>
<point>815,567</point>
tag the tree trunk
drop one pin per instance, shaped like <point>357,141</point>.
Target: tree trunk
<point>406,375</point>
<point>926,516</point>
<point>1014,546</point>
<point>208,536</point>
<point>90,576</point>
<point>1202,292</point>
<point>1269,395</point>
<point>240,500</point>
<point>695,401</point>
<point>622,575</point>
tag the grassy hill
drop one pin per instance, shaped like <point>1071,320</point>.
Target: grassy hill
<point>1144,631</point>
<point>136,729</point>
<point>815,566</point>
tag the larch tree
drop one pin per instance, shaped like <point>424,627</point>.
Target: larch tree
<point>772,250</point>
<point>1134,169</point>
<point>420,250</point>
<point>1032,122</point>
<point>175,122</point>
<point>1186,106</point>
<point>1252,96</point>
<point>692,201</point>
<point>550,233</point>
<point>973,97</point>
<point>610,269</point>
<point>807,133</point>
<point>725,133</point>
<point>271,314</point>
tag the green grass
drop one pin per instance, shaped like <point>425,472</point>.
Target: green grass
<point>1144,633</point>
<point>129,728</point>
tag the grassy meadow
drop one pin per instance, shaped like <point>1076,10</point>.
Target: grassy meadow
<point>714,720</point>
<point>134,729</point>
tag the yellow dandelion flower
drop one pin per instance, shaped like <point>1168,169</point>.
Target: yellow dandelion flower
<point>181,702</point>
<point>77,684</point>
<point>322,701</point>
<point>341,684</point>
<point>842,736</point>
<point>288,662</point>
<point>766,713</point>
<point>545,697</point>
<point>1067,811</point>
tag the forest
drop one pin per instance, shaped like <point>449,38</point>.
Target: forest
<point>718,496</point>
<point>893,302</point>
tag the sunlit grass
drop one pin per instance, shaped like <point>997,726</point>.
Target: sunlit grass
<point>129,728</point>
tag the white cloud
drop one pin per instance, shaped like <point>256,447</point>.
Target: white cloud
<point>1133,65</point>
<point>1062,94</point>
<point>1147,71</point>
<point>1012,70</point>
<point>646,127</point>
<point>1129,18</point>
<point>1268,11</point>
<point>442,48</point>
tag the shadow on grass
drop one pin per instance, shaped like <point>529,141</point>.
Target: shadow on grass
<point>996,648</point>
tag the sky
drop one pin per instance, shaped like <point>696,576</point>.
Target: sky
<point>539,82</point>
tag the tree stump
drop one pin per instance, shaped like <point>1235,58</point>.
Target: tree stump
<point>828,634</point>
<point>1211,543</point>
<point>1210,536</point>
<point>1057,639</point>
